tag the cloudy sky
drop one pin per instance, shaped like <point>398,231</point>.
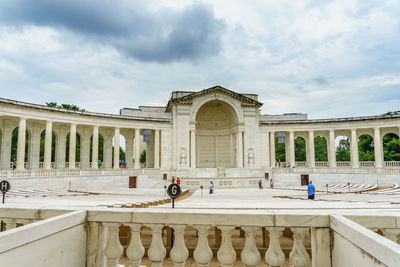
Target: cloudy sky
<point>325,58</point>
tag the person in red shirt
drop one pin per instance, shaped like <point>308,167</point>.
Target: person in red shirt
<point>178,181</point>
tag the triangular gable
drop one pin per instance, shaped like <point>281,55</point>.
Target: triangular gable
<point>187,99</point>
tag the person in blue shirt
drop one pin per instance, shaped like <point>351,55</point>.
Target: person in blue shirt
<point>311,191</point>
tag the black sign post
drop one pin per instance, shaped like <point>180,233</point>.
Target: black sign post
<point>174,191</point>
<point>201,190</point>
<point>4,188</point>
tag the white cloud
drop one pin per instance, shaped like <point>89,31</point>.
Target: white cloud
<point>328,59</point>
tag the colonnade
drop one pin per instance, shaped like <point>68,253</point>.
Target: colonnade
<point>132,136</point>
<point>330,135</point>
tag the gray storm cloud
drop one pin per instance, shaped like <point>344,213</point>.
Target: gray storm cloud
<point>132,27</point>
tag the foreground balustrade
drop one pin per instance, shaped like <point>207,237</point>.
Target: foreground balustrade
<point>104,247</point>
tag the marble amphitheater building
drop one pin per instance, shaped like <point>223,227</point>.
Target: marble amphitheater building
<point>214,134</point>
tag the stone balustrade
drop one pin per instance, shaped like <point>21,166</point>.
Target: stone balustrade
<point>351,239</point>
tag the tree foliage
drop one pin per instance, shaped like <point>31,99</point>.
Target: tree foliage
<point>143,157</point>
<point>64,106</point>
<point>343,150</point>
<point>300,149</point>
<point>321,149</point>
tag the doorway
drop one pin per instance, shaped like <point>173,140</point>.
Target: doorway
<point>304,179</point>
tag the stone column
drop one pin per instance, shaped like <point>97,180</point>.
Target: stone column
<point>129,149</point>
<point>232,152</point>
<point>61,146</point>
<point>35,147</point>
<point>272,148</point>
<point>216,151</point>
<point>311,149</point>
<point>21,144</point>
<point>137,149</point>
<point>267,161</point>
<point>292,155</point>
<point>192,149</point>
<point>107,150</point>
<point>47,145</point>
<point>95,147</point>
<point>116,148</point>
<point>332,150</point>
<point>378,148</point>
<point>239,149</point>
<point>156,149</point>
<point>85,148</point>
<point>72,146</point>
<point>6,144</point>
<point>354,149</point>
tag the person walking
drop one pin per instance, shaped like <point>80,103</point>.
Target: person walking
<point>311,191</point>
<point>178,181</point>
<point>260,185</point>
<point>173,179</point>
<point>271,183</point>
<point>211,187</point>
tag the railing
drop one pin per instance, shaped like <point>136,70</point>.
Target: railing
<point>343,163</point>
<point>26,164</point>
<point>66,165</point>
<point>392,163</point>
<point>301,164</point>
<point>367,163</point>
<point>77,164</point>
<point>352,241</point>
<point>321,164</point>
<point>41,165</point>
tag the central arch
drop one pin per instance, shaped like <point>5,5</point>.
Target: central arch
<point>216,125</point>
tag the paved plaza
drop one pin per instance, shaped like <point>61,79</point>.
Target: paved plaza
<point>247,199</point>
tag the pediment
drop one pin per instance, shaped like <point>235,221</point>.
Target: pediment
<point>188,97</point>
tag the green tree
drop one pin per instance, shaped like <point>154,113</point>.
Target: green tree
<point>64,106</point>
<point>300,149</point>
<point>343,150</point>
<point>321,149</point>
<point>391,147</point>
<point>143,157</point>
<point>280,151</point>
<point>366,148</point>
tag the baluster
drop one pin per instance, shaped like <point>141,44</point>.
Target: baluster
<point>226,254</point>
<point>135,251</point>
<point>157,250</point>
<point>179,253</point>
<point>391,234</point>
<point>250,256</point>
<point>299,256</point>
<point>203,253</point>
<point>113,248</point>
<point>274,255</point>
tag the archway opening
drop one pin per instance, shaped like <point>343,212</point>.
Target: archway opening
<point>321,149</point>
<point>366,148</point>
<point>342,146</point>
<point>300,149</point>
<point>391,147</point>
<point>216,127</point>
<point>14,145</point>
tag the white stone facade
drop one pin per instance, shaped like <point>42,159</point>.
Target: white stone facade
<point>213,133</point>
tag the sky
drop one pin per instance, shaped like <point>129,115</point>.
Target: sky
<point>324,58</point>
